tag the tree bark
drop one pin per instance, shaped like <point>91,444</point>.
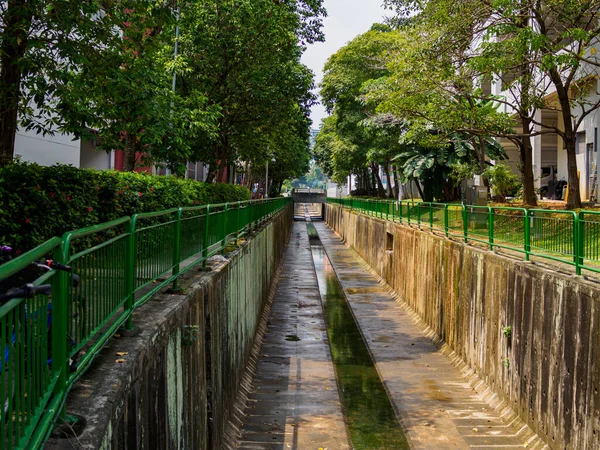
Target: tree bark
<point>129,153</point>
<point>372,184</point>
<point>247,174</point>
<point>388,177</point>
<point>525,153</point>
<point>377,179</point>
<point>17,22</point>
<point>574,200</point>
<point>396,182</point>
<point>419,189</point>
<point>210,176</point>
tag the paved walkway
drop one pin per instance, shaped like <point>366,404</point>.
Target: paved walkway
<point>438,408</point>
<point>294,403</point>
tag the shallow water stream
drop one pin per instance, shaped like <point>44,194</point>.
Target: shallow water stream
<point>371,420</point>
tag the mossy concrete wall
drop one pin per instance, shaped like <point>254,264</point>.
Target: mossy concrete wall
<point>546,368</point>
<point>174,385</point>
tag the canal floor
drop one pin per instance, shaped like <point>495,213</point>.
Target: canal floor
<point>294,401</point>
<point>438,407</point>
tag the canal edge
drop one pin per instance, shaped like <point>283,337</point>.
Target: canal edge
<point>504,411</point>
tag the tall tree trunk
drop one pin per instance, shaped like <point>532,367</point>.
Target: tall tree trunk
<point>129,153</point>
<point>247,174</point>
<point>372,184</point>
<point>416,181</point>
<point>17,22</point>
<point>396,182</point>
<point>210,176</point>
<point>525,153</point>
<point>574,200</point>
<point>484,180</point>
<point>377,179</point>
<point>388,177</point>
<point>221,158</point>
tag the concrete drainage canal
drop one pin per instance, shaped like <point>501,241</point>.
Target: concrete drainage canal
<point>371,420</point>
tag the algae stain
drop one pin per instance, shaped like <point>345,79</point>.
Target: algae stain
<point>371,420</point>
<point>175,388</point>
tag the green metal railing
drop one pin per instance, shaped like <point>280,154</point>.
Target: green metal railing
<point>121,264</point>
<point>565,236</point>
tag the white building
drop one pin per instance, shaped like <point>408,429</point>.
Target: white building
<point>60,149</point>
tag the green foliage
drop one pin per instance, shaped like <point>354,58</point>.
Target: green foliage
<point>461,171</point>
<point>314,178</point>
<point>507,332</point>
<point>503,182</point>
<point>104,70</point>
<point>39,202</point>
<point>351,139</point>
<point>244,56</point>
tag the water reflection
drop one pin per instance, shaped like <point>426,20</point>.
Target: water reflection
<point>369,414</point>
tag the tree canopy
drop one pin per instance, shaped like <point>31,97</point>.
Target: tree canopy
<point>466,70</point>
<point>218,82</point>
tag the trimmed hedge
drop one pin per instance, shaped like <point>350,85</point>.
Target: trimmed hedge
<point>38,202</point>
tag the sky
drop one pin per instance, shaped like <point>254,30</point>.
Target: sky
<point>345,20</point>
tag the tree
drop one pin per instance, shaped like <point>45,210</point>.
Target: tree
<point>244,57</point>
<point>542,44</point>
<point>123,91</point>
<point>364,147</point>
<point>240,84</point>
<point>38,40</point>
<point>566,34</point>
<point>430,86</point>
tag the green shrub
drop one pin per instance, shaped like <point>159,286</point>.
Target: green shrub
<point>503,182</point>
<point>37,202</point>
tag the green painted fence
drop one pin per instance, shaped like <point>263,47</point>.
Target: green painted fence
<point>46,344</point>
<point>565,236</point>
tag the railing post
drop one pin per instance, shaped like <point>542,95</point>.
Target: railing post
<point>430,217</point>
<point>387,210</point>
<point>225,230</point>
<point>527,230</point>
<point>238,227</point>
<point>446,219</point>
<point>60,288</point>
<point>130,271</point>
<point>491,227</point>
<point>177,247</point>
<point>408,215</point>
<point>206,236</point>
<point>465,223</point>
<point>400,210</point>
<point>578,244</point>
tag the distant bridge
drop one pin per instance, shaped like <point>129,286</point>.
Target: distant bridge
<point>309,195</point>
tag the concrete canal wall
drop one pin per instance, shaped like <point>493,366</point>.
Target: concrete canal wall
<point>174,385</point>
<point>545,367</point>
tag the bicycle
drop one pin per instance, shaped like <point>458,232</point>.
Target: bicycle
<point>28,331</point>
